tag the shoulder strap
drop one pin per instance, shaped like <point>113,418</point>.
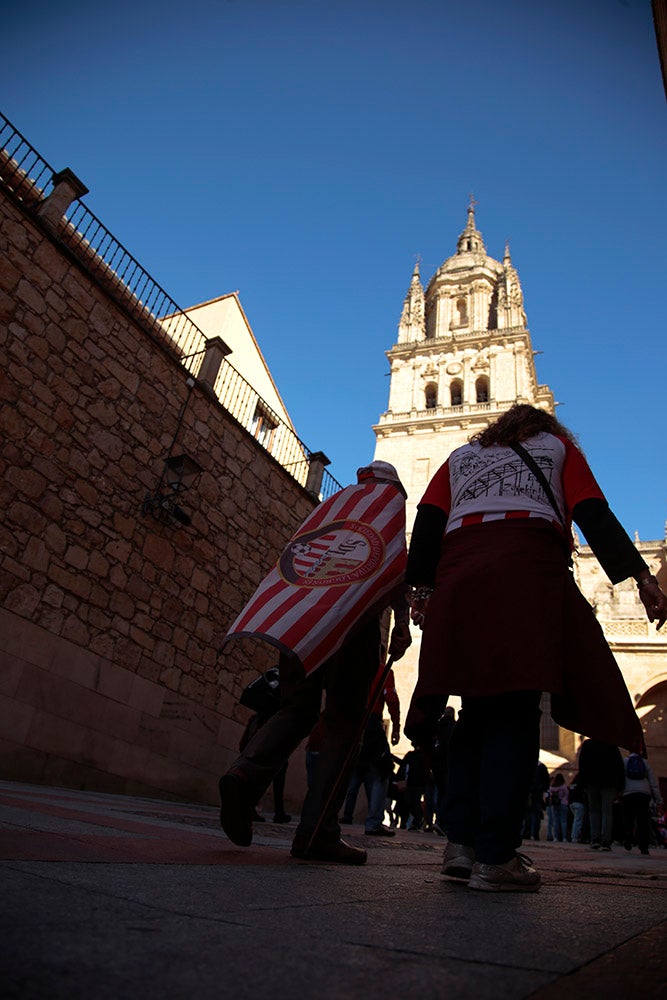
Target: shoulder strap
<point>541,478</point>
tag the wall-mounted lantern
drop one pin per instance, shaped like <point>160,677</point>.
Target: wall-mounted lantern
<point>180,473</point>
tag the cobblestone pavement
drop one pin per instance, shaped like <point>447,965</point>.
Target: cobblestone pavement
<point>108,896</point>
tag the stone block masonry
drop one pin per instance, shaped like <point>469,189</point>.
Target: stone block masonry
<point>110,621</point>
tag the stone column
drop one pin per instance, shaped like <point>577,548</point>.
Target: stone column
<point>445,394</point>
<point>466,378</point>
<point>216,351</point>
<point>67,188</point>
<point>493,353</point>
<point>318,463</point>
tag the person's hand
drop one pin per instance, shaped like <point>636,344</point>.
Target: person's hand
<point>655,603</point>
<point>418,610</point>
<point>395,735</point>
<point>400,640</point>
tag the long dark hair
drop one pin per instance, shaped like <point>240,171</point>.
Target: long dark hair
<point>519,423</point>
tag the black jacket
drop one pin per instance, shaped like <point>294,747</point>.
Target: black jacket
<point>600,766</point>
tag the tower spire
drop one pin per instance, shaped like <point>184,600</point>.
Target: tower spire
<point>470,240</point>
<point>510,297</point>
<point>411,326</point>
<point>472,204</point>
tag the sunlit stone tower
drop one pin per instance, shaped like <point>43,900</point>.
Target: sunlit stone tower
<point>462,356</point>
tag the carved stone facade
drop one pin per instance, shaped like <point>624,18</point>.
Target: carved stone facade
<point>463,356</point>
<point>640,651</point>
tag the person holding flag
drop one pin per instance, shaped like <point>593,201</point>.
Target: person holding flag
<point>321,606</point>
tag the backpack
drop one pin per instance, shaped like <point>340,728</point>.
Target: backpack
<point>635,768</point>
<point>263,694</point>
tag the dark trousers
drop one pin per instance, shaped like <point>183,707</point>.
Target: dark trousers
<point>279,779</point>
<point>493,755</point>
<point>346,678</point>
<point>534,815</point>
<point>415,795</point>
<point>636,811</point>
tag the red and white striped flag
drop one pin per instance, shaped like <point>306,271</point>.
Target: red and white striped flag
<point>346,556</point>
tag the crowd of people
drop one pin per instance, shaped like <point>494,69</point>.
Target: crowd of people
<point>488,580</point>
<point>610,799</point>
<point>561,808</point>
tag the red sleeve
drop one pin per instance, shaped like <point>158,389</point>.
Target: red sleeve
<point>439,491</point>
<point>579,483</point>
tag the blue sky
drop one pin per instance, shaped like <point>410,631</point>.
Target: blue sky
<point>304,152</point>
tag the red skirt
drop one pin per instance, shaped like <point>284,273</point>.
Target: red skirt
<point>507,615</point>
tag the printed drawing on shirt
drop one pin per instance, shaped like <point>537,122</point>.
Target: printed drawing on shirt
<point>493,474</point>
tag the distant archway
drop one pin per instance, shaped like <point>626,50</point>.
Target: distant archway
<point>652,710</point>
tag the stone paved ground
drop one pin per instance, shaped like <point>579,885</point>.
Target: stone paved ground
<point>106,896</point>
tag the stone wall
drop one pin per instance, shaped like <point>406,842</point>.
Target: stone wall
<point>110,621</point>
<point>640,650</point>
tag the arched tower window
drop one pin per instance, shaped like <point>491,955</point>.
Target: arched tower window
<point>462,312</point>
<point>456,390</point>
<point>431,393</point>
<point>482,389</point>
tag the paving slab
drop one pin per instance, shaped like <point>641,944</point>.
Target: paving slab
<point>108,896</point>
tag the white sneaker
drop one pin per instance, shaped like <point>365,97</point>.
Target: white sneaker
<point>458,861</point>
<point>516,875</point>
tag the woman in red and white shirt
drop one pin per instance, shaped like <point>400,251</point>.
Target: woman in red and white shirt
<point>504,620</point>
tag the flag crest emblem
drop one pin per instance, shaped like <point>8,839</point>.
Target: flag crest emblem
<point>344,562</point>
<point>338,553</point>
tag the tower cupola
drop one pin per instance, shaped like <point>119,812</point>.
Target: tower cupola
<point>470,240</point>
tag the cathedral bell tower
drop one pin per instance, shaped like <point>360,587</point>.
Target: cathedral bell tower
<point>463,355</point>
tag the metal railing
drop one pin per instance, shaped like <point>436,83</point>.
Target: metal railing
<point>329,486</point>
<point>22,169</point>
<point>115,267</point>
<point>30,179</point>
<point>247,406</point>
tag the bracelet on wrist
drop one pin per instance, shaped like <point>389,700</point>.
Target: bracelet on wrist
<point>645,582</point>
<point>419,594</point>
